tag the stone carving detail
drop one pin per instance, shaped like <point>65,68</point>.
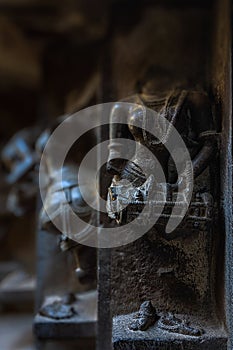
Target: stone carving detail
<point>148,317</point>
<point>145,318</point>
<point>190,112</point>
<point>84,257</point>
<point>173,324</point>
<point>60,309</point>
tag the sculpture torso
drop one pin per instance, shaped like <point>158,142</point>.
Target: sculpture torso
<point>190,113</point>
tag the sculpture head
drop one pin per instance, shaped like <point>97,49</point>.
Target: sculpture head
<point>155,80</point>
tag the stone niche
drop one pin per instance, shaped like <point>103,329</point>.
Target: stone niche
<point>188,278</point>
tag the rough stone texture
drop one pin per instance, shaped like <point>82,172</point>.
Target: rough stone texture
<point>123,339</point>
<point>104,338</point>
<point>177,276</point>
<point>221,81</point>
<point>183,275</point>
<point>152,272</point>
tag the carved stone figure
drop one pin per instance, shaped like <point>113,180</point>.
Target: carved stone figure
<point>145,318</point>
<point>84,257</point>
<point>60,309</point>
<point>190,112</point>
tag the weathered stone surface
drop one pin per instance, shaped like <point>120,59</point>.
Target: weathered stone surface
<point>155,338</point>
<point>184,275</point>
<point>81,324</point>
